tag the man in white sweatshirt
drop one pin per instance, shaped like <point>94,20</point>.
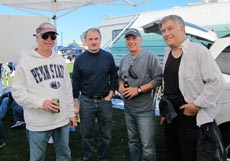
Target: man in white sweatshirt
<point>42,86</point>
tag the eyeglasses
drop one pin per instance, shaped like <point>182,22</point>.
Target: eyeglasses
<point>132,74</point>
<point>45,36</point>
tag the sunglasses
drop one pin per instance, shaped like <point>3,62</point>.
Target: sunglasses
<point>52,36</point>
<point>132,74</point>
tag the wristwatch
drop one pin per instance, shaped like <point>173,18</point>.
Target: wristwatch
<point>139,90</point>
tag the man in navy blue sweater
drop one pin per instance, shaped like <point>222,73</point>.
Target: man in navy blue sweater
<point>95,77</point>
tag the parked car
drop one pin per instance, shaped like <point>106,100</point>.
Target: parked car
<point>72,54</point>
<point>221,52</point>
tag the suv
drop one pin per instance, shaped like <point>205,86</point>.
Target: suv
<point>221,52</point>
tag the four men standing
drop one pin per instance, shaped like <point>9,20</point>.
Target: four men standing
<point>192,88</point>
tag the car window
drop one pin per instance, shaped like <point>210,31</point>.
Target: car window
<point>223,60</point>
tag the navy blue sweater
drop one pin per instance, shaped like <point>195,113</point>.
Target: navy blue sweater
<point>94,74</point>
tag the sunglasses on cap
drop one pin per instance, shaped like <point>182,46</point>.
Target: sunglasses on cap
<point>132,74</point>
<point>52,36</point>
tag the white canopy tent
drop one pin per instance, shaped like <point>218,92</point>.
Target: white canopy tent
<point>67,6</point>
<point>17,35</point>
<point>57,8</point>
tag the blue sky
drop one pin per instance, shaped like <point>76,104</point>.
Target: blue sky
<point>75,23</point>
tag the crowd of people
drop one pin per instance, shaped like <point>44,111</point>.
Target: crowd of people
<point>190,77</point>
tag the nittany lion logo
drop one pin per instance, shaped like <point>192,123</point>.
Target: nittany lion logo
<point>55,84</point>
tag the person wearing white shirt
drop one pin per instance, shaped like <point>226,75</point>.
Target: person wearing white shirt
<point>192,82</point>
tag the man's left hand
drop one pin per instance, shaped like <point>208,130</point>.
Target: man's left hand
<point>190,109</point>
<point>130,92</point>
<point>109,96</point>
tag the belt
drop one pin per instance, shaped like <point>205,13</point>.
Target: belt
<point>98,97</point>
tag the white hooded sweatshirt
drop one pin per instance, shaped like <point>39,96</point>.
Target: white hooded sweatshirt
<point>37,79</point>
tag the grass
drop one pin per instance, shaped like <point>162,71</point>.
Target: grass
<point>70,67</point>
<point>17,145</point>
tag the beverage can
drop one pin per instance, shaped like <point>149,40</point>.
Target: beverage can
<point>57,101</point>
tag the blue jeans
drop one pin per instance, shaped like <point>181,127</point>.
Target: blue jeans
<point>17,112</point>
<point>90,110</point>
<point>1,91</point>
<point>4,107</point>
<point>38,141</point>
<point>140,126</point>
<point>3,111</point>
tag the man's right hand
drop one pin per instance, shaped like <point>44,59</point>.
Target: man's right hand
<point>162,120</point>
<point>51,106</point>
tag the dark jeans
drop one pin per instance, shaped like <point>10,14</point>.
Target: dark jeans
<point>89,111</point>
<point>3,112</point>
<point>181,139</point>
<point>210,146</point>
<point>2,136</point>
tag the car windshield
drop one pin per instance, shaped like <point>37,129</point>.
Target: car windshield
<point>223,60</point>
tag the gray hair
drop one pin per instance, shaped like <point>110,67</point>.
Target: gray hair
<point>175,18</point>
<point>92,29</point>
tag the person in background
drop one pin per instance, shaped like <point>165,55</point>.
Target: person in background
<point>1,87</point>
<point>192,83</point>
<point>17,115</point>
<point>84,45</point>
<point>8,103</point>
<point>95,76</point>
<point>42,86</point>
<point>3,112</point>
<point>13,65</point>
<point>140,74</point>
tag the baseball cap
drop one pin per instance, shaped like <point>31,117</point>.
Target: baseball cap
<point>46,27</point>
<point>132,31</point>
